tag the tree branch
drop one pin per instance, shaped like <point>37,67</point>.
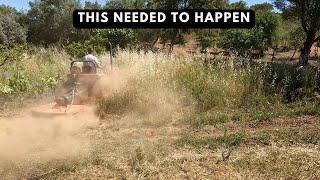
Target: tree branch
<point>303,17</point>
<point>317,39</point>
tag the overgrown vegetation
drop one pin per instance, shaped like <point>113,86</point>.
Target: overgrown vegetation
<point>228,106</point>
<point>33,74</point>
<point>165,116</point>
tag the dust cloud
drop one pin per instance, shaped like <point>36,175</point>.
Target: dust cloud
<point>26,136</point>
<point>141,82</point>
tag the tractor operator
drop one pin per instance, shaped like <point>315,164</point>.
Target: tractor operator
<point>91,57</point>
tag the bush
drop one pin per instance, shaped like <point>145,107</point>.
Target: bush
<point>78,50</point>
<point>259,38</point>
<point>290,81</point>
<point>19,83</point>
<point>11,32</point>
<point>119,38</point>
<point>32,74</point>
<point>11,55</point>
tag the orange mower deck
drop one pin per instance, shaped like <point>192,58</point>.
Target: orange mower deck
<point>52,110</point>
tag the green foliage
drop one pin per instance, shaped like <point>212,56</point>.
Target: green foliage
<point>269,23</point>
<point>92,5</point>
<point>263,36</point>
<point>207,118</point>
<point>173,36</point>
<point>11,32</point>
<point>5,89</point>
<point>126,4</point>
<point>22,82</point>
<point>32,75</point>
<point>264,7</point>
<point>291,35</point>
<point>51,22</point>
<point>309,15</point>
<point>212,142</point>
<point>217,85</point>
<point>119,38</point>
<point>19,83</point>
<point>296,37</point>
<point>50,81</point>
<point>13,54</point>
<point>243,42</point>
<point>239,5</point>
<point>7,11</point>
<point>78,50</point>
<point>245,85</point>
<point>208,38</point>
<point>292,82</point>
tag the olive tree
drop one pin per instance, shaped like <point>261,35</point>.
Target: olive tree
<point>11,32</point>
<point>308,12</point>
<point>260,38</point>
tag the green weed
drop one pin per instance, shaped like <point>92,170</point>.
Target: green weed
<point>211,142</point>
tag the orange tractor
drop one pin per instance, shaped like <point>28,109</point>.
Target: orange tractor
<point>77,91</point>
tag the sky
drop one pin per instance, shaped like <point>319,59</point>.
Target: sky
<point>24,4</point>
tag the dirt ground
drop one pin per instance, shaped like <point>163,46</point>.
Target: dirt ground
<point>139,147</point>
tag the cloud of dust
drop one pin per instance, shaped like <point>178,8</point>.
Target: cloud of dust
<point>44,138</point>
<point>144,74</point>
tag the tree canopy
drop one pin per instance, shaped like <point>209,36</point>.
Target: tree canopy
<point>11,32</point>
<point>49,22</point>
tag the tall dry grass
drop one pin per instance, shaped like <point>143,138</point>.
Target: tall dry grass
<point>225,82</point>
<point>154,81</point>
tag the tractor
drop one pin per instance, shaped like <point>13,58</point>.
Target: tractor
<point>78,91</point>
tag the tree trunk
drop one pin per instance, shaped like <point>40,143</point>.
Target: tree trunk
<point>154,43</point>
<point>170,49</point>
<point>273,55</point>
<point>294,53</point>
<point>305,51</point>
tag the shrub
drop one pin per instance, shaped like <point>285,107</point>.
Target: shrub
<point>34,73</point>
<point>291,81</point>
<point>78,50</point>
<point>5,89</point>
<point>11,32</point>
<point>19,83</point>
<point>119,38</point>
